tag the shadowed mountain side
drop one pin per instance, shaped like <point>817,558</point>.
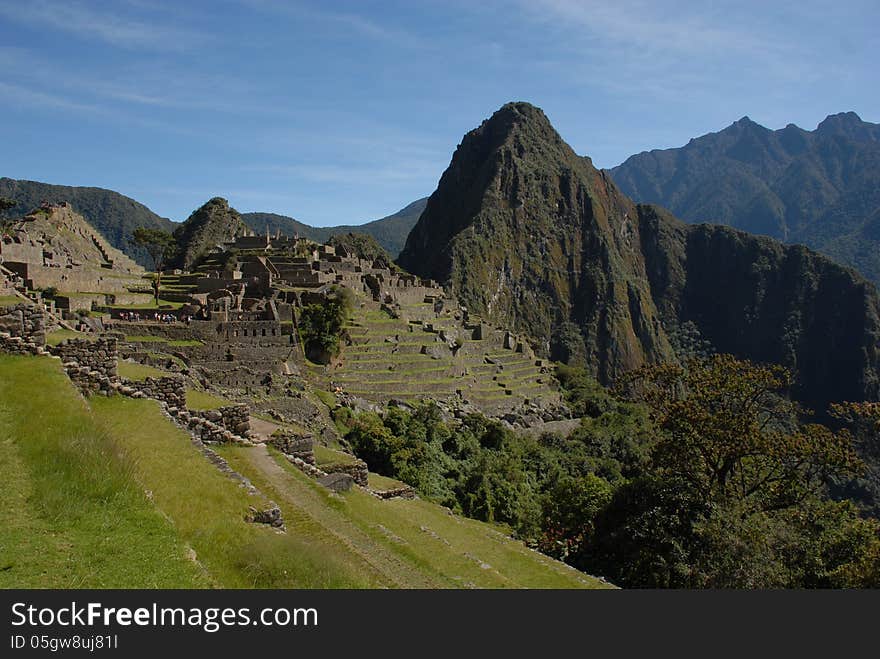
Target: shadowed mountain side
<point>757,298</point>
<point>212,224</point>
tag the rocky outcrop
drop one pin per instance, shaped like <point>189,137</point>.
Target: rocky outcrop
<point>114,215</point>
<point>212,224</point>
<point>531,236</point>
<point>53,246</point>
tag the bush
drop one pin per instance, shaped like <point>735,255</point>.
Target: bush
<point>320,325</point>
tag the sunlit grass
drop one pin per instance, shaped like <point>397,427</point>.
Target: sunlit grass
<point>201,400</point>
<point>72,514</point>
<point>208,508</point>
<point>139,372</point>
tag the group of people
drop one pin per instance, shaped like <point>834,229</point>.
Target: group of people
<point>136,317</point>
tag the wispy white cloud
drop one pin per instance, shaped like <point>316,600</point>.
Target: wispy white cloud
<point>359,174</point>
<point>107,25</point>
<point>141,86</point>
<point>661,48</point>
<point>16,95</point>
<point>346,21</point>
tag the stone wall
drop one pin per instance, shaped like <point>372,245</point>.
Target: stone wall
<point>405,492</point>
<point>204,429</point>
<point>16,345</point>
<point>24,320</point>
<point>169,389</point>
<point>293,444</point>
<point>235,418</point>
<point>357,470</point>
<point>99,355</point>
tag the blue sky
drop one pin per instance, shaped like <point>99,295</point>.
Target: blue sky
<point>342,112</point>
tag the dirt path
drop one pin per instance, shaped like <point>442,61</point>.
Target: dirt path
<point>263,428</point>
<point>393,569</point>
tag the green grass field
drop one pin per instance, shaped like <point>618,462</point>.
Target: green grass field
<point>151,305</point>
<point>71,511</point>
<point>139,372</point>
<point>59,335</point>
<point>202,400</point>
<point>109,493</point>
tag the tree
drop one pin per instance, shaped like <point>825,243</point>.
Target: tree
<point>735,494</point>
<point>160,245</point>
<point>5,205</point>
<point>728,430</point>
<point>320,325</point>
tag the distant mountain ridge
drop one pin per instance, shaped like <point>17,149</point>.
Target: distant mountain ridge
<point>113,214</point>
<point>390,231</point>
<point>820,188</point>
<point>116,216</point>
<point>530,235</point>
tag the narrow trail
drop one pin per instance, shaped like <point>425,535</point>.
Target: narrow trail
<point>262,428</point>
<point>394,569</point>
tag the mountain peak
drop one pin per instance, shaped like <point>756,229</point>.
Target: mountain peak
<point>516,116</point>
<point>746,124</point>
<point>840,118</point>
<point>212,223</point>
<point>520,109</point>
<point>849,125</point>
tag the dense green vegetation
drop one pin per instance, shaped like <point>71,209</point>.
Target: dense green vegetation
<point>320,325</point>
<point>700,476</point>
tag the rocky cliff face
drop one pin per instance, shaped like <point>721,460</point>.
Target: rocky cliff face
<point>528,234</point>
<point>210,225</point>
<point>757,298</point>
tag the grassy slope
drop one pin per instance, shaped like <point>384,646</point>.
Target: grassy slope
<point>208,508</point>
<point>139,372</point>
<point>405,540</point>
<point>73,510</point>
<point>201,400</point>
<point>70,512</point>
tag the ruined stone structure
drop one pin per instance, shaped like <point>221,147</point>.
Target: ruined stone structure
<point>170,390</point>
<point>54,246</point>
<point>24,320</point>
<point>297,445</point>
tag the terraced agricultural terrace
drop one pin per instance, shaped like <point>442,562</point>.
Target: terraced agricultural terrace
<point>424,353</point>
